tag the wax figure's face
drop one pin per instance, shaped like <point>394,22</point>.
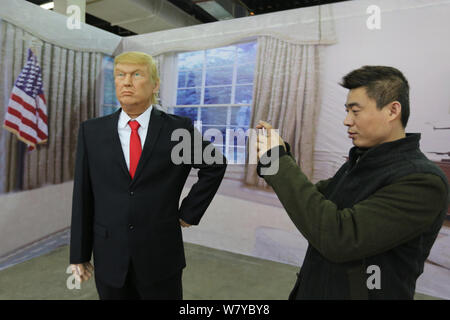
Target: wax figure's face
<point>367,125</point>
<point>134,87</point>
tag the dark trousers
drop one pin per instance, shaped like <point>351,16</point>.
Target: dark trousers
<point>166,289</point>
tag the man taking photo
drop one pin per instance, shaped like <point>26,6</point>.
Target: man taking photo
<point>382,210</point>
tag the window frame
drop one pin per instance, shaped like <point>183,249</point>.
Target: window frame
<point>226,145</point>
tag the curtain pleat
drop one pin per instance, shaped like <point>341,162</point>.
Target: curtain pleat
<point>71,81</point>
<point>11,62</point>
<point>285,94</point>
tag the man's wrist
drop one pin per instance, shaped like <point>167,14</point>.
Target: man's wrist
<point>267,158</point>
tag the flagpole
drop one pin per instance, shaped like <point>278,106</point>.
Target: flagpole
<point>34,45</point>
<point>21,151</point>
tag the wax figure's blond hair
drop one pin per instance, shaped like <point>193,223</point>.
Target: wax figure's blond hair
<point>136,57</point>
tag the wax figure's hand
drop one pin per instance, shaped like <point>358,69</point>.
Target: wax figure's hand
<point>184,224</point>
<point>82,271</point>
<point>264,142</point>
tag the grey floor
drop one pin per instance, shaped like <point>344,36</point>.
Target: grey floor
<point>39,272</point>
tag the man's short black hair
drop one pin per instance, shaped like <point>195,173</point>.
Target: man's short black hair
<point>383,84</point>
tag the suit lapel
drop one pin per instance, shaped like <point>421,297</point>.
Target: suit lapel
<point>117,146</point>
<point>156,122</point>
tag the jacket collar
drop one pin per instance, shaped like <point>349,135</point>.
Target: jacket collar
<point>143,119</point>
<point>385,150</point>
<point>158,118</point>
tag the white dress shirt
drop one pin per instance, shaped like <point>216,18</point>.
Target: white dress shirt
<point>125,131</point>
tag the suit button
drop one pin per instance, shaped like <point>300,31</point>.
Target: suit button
<point>131,193</point>
<point>131,227</point>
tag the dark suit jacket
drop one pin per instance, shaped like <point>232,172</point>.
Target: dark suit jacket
<point>119,218</point>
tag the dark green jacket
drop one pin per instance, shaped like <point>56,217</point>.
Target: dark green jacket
<point>384,207</point>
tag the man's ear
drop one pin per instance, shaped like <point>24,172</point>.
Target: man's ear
<point>394,110</point>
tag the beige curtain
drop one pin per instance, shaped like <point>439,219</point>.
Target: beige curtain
<point>167,69</point>
<point>285,93</point>
<point>72,80</point>
<point>159,61</point>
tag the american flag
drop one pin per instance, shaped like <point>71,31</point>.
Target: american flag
<point>26,115</point>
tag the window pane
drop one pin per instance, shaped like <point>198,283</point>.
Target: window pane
<point>192,78</point>
<point>218,76</point>
<point>220,95</point>
<point>221,148</point>
<point>109,110</point>
<point>220,56</point>
<point>246,52</point>
<point>245,73</point>
<point>237,136</point>
<point>244,94</point>
<point>190,60</point>
<point>109,89</point>
<point>240,116</point>
<point>186,112</point>
<point>188,96</point>
<point>215,134</point>
<point>109,92</point>
<point>236,155</point>
<point>215,87</point>
<point>214,115</point>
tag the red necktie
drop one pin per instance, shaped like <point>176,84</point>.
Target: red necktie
<point>135,147</point>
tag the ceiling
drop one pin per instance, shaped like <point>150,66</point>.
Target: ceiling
<point>131,17</point>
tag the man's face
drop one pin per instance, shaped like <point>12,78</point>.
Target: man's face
<point>134,87</point>
<point>367,125</point>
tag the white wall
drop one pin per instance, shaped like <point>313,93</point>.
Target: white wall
<point>414,37</point>
<point>248,227</point>
<point>31,215</point>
